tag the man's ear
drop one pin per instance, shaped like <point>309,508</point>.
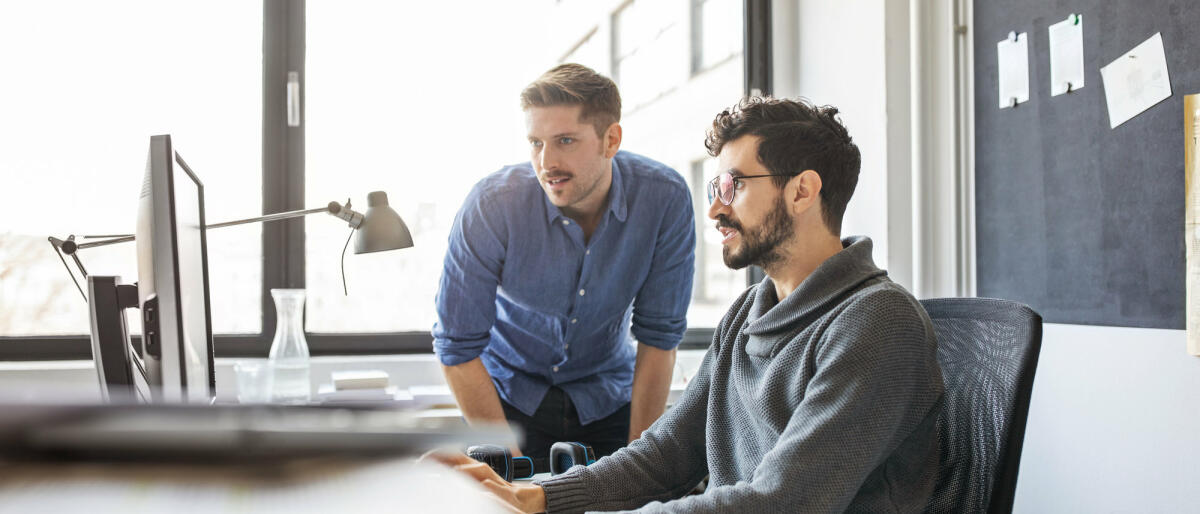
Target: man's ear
<point>805,191</point>
<point>612,140</point>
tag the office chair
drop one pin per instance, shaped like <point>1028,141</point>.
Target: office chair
<point>988,351</point>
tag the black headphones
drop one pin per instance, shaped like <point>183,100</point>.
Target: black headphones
<point>565,455</point>
<point>501,461</point>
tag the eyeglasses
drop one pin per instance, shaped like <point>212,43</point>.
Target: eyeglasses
<point>723,186</point>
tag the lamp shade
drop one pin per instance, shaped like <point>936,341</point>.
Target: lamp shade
<point>381,229</point>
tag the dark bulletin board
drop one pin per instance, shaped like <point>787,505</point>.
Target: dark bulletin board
<point>1082,222</point>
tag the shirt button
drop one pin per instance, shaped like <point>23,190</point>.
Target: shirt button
<point>566,222</point>
<point>565,346</point>
<point>556,369</point>
<point>582,292</point>
<point>574,320</point>
<point>588,252</point>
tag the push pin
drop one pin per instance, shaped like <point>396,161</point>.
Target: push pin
<point>1012,102</point>
<point>1012,36</point>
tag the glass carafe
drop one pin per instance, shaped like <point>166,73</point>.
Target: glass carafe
<point>291,381</point>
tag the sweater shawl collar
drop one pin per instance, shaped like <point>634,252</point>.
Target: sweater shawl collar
<point>845,271</point>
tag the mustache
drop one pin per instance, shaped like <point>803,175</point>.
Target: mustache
<point>724,221</point>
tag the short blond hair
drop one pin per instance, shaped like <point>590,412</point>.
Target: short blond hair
<point>576,84</point>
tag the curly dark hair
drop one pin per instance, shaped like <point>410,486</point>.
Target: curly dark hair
<point>576,84</point>
<point>795,136</point>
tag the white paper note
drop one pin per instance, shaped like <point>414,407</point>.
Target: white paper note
<point>1066,55</point>
<point>1013,56</point>
<point>1136,81</point>
<point>1191,150</point>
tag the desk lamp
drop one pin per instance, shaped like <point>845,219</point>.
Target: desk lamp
<point>378,230</point>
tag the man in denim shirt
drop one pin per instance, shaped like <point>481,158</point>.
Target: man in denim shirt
<point>556,266</point>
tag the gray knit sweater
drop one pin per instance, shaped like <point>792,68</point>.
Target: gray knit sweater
<point>825,402</point>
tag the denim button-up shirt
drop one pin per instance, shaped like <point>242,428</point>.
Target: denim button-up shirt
<point>522,290</point>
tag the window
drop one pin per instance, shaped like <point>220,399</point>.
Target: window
<point>426,142</point>
<point>419,100</point>
<point>417,109</point>
<point>591,53</point>
<point>649,50</point>
<point>716,32</point>
<point>87,84</point>
<point>667,118</point>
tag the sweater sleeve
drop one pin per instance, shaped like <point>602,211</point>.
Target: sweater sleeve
<point>874,385</point>
<point>667,461</point>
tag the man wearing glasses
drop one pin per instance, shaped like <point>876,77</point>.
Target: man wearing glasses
<point>821,390</point>
<point>555,267</point>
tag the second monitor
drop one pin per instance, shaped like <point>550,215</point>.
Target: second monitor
<point>173,279</point>
<point>174,362</point>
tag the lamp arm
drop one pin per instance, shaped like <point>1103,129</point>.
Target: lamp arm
<point>103,242</point>
<point>271,217</point>
<point>69,246</point>
<point>344,212</point>
<point>57,244</point>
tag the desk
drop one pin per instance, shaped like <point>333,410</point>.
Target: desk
<point>395,485</point>
<point>229,459</point>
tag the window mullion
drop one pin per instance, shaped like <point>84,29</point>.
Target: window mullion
<point>757,62</point>
<point>283,154</point>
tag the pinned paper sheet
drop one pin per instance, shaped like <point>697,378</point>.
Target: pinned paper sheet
<point>1191,219</point>
<point>1136,81</point>
<point>1013,56</point>
<point>1066,55</point>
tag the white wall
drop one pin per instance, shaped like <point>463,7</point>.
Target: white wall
<point>1114,423</point>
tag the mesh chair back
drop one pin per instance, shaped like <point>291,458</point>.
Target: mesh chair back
<point>988,351</point>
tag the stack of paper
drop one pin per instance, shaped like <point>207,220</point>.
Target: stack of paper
<point>360,386</point>
<point>359,379</point>
<point>327,393</point>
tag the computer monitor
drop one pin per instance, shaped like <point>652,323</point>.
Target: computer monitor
<point>177,343</point>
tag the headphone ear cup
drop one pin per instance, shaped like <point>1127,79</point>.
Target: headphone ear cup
<point>563,455</point>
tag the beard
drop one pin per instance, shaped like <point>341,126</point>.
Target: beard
<point>760,246</point>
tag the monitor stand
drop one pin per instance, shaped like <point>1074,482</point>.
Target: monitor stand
<point>118,363</point>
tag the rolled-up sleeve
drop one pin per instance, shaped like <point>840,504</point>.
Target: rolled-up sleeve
<point>466,297</point>
<point>660,309</point>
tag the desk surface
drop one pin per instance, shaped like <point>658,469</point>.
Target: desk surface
<point>396,485</point>
<point>229,459</point>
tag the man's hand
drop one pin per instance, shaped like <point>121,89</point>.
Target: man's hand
<point>523,498</point>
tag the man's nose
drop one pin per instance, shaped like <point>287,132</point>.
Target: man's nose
<point>547,158</point>
<point>716,208</point>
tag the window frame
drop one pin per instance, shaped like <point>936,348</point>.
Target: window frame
<point>283,181</point>
<point>757,61</point>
